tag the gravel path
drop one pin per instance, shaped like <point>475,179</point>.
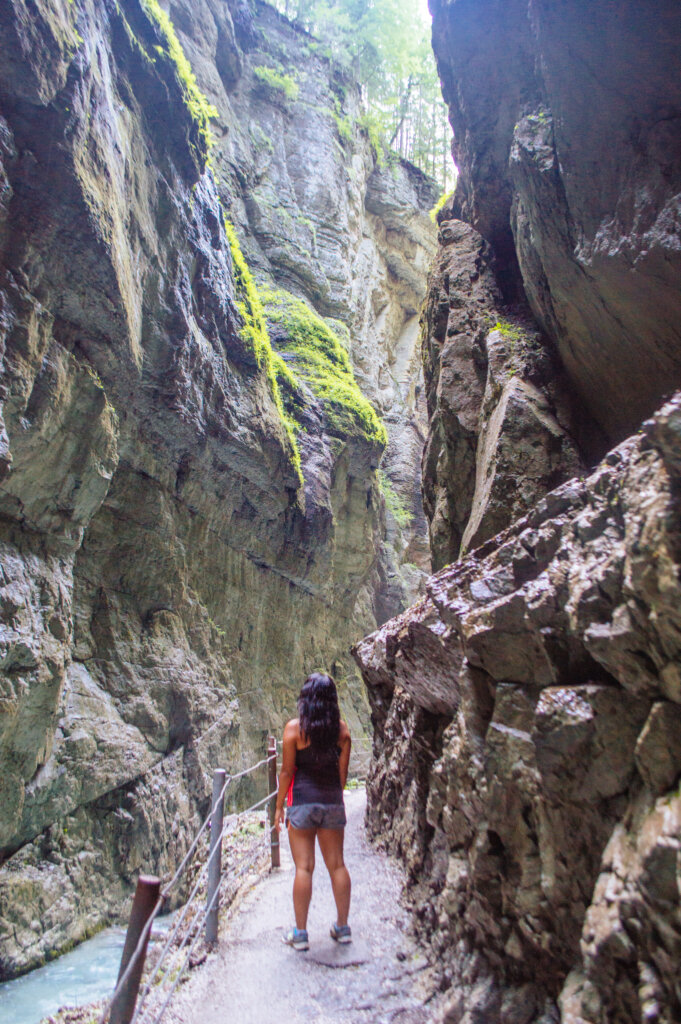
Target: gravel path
<point>253,978</point>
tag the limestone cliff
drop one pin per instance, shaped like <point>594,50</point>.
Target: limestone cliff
<point>526,751</point>
<point>320,216</point>
<point>566,134</point>
<point>167,579</point>
<point>503,423</point>
<point>526,711</point>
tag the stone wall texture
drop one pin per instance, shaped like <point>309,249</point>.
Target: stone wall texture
<point>166,581</point>
<point>527,710</point>
<point>566,134</point>
<point>527,717</point>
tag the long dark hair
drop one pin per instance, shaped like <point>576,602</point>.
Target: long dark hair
<point>318,712</point>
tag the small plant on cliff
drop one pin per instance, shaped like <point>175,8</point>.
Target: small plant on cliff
<point>278,81</point>
<point>510,331</point>
<point>200,109</point>
<point>321,361</point>
<point>393,502</point>
<point>343,123</point>
<point>254,334</point>
<point>444,198</point>
<point>370,126</point>
<point>344,126</point>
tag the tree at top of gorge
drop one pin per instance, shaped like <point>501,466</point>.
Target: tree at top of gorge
<point>385,45</point>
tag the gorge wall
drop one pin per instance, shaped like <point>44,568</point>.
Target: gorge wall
<point>527,710</point>
<point>190,521</point>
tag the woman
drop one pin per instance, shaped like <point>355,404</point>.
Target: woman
<point>314,770</point>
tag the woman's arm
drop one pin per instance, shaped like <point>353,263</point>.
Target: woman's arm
<point>345,744</point>
<point>288,767</point>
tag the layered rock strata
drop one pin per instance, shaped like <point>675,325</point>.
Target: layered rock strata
<point>527,719</point>
<point>318,215</point>
<point>566,133</point>
<point>503,427</point>
<point>166,580</point>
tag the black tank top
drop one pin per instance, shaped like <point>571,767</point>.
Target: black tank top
<point>317,777</point>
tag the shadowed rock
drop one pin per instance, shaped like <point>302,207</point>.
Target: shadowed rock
<point>539,813</point>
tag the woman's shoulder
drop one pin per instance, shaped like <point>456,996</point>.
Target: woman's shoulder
<point>292,729</point>
<point>344,732</point>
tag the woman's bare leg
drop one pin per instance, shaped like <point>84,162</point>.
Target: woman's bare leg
<point>301,841</point>
<point>331,845</point>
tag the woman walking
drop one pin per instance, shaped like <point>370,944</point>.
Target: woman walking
<point>314,770</point>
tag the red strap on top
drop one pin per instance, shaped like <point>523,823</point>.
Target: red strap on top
<point>289,795</point>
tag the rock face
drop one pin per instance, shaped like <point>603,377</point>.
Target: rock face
<point>317,215</point>
<point>166,580</point>
<point>501,416</point>
<point>526,751</point>
<point>527,710</point>
<point>566,134</point>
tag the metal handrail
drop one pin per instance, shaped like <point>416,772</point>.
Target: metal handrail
<point>125,1014</point>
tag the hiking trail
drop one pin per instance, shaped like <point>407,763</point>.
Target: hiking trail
<point>252,977</point>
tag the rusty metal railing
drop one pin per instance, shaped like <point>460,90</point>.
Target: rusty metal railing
<point>126,1005</point>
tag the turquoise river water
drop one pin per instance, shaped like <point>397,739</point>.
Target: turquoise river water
<point>85,974</point>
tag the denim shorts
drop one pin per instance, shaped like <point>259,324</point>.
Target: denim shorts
<point>316,816</point>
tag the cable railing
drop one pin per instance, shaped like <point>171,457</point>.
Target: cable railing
<point>131,1005</point>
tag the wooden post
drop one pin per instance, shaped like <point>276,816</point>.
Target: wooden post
<point>272,778</point>
<point>215,854</point>
<point>146,898</point>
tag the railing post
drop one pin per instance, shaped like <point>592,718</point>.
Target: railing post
<point>272,777</point>
<point>214,867</point>
<point>146,898</point>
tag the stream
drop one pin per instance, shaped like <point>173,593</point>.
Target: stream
<point>85,974</point>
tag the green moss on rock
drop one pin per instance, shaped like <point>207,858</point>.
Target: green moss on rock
<point>201,110</point>
<point>444,198</point>
<point>393,501</point>
<point>255,335</point>
<point>278,81</point>
<point>322,362</point>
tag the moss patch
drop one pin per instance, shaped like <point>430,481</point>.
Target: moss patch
<point>278,81</point>
<point>343,123</point>
<point>254,334</point>
<point>322,362</point>
<point>201,110</point>
<point>369,125</point>
<point>508,330</point>
<point>393,502</point>
<point>445,197</point>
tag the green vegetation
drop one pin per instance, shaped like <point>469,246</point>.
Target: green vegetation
<point>540,118</point>
<point>371,126</point>
<point>200,109</point>
<point>254,330</point>
<point>444,198</point>
<point>508,330</point>
<point>278,81</point>
<point>320,360</point>
<point>261,141</point>
<point>355,783</point>
<point>385,46</point>
<point>255,336</point>
<point>393,502</point>
<point>343,122</point>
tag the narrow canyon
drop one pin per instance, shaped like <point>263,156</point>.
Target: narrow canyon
<point>272,403</point>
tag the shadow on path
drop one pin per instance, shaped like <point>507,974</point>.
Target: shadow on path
<point>253,978</point>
